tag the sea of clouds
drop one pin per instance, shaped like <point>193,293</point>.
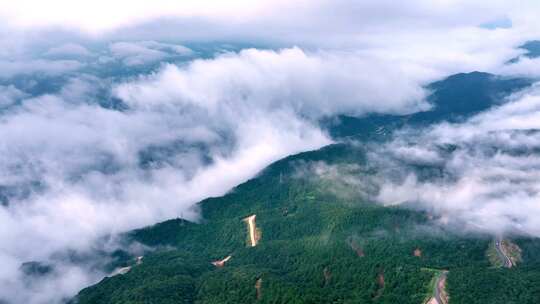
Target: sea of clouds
<point>118,115</point>
<point>489,164</point>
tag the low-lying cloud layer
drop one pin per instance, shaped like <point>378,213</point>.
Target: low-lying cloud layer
<point>108,121</point>
<point>483,174</point>
<point>312,85</point>
<point>73,171</point>
<point>98,156</point>
<point>143,52</point>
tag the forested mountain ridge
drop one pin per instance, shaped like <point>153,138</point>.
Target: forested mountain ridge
<point>323,239</point>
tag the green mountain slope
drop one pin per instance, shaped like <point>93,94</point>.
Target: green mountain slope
<point>322,241</point>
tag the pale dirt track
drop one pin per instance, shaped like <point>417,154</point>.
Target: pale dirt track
<point>221,263</point>
<point>507,262</point>
<point>252,228</point>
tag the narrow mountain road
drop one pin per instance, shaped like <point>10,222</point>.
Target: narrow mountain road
<point>439,291</point>
<point>507,262</point>
<point>252,228</point>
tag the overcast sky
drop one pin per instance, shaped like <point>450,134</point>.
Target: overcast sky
<point>119,114</point>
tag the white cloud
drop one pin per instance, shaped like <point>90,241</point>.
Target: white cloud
<point>312,84</point>
<point>87,160</point>
<point>143,52</point>
<point>174,49</point>
<point>9,95</point>
<point>134,54</point>
<point>245,110</point>
<point>101,15</point>
<point>69,49</point>
<point>491,182</point>
<point>10,68</point>
<point>524,67</point>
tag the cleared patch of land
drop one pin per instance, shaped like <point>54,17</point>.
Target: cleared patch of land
<point>380,284</point>
<point>253,232</point>
<point>258,287</point>
<point>221,263</point>
<point>504,253</point>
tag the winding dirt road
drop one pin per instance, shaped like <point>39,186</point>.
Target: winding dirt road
<point>439,291</point>
<point>252,230</point>
<point>507,262</point>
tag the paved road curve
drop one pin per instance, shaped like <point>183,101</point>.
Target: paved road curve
<point>440,293</point>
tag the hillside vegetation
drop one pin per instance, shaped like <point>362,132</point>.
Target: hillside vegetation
<point>323,242</point>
